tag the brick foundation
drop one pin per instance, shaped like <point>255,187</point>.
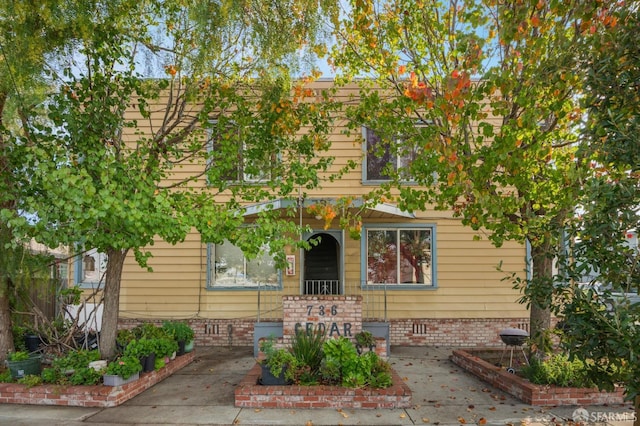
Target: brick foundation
<point>461,333</point>
<point>89,396</point>
<point>529,393</point>
<point>250,394</point>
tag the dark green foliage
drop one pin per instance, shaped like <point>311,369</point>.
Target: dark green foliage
<point>557,370</point>
<point>343,366</point>
<point>73,368</point>
<point>307,348</point>
<point>180,331</point>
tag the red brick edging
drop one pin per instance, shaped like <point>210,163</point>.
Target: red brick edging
<point>89,396</point>
<point>529,393</point>
<point>250,394</point>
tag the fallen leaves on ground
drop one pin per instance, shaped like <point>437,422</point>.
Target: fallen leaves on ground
<point>461,420</point>
<point>425,420</point>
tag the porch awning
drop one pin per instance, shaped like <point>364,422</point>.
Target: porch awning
<point>379,211</point>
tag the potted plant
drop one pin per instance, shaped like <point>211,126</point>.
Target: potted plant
<point>144,350</point>
<point>165,347</point>
<point>22,363</point>
<point>121,371</point>
<point>181,332</point>
<point>278,365</point>
<point>365,339</point>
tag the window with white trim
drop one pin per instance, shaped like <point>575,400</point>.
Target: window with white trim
<point>228,268</point>
<point>90,268</point>
<point>399,255</point>
<point>383,158</point>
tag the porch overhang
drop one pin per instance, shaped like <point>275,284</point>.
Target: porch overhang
<point>378,211</point>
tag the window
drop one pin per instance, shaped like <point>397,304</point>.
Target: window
<point>399,256</point>
<point>227,267</point>
<point>90,268</point>
<point>384,158</point>
<point>248,163</point>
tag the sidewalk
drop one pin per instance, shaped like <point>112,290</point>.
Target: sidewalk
<point>202,394</point>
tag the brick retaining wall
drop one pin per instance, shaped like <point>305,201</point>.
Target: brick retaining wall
<point>250,394</point>
<point>541,395</point>
<point>89,396</point>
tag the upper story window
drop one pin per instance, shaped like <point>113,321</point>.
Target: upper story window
<point>399,255</point>
<point>232,158</point>
<point>384,158</point>
<point>90,268</point>
<point>228,268</point>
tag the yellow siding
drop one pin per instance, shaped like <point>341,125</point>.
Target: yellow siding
<point>468,284</point>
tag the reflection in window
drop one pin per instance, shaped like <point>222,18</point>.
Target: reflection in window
<point>384,157</point>
<point>399,256</point>
<point>92,268</point>
<point>229,268</point>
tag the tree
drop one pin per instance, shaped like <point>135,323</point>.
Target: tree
<point>483,94</point>
<point>31,34</point>
<point>120,159</point>
<point>603,325</point>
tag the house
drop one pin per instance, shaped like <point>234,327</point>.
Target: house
<point>422,277</point>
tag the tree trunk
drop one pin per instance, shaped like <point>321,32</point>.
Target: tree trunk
<point>111,302</point>
<point>542,278</point>
<point>6,334</point>
<point>636,421</point>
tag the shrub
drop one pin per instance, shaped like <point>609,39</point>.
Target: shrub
<point>19,356</point>
<point>124,367</point>
<point>30,380</point>
<point>278,359</point>
<point>557,370</point>
<point>180,331</point>
<point>306,347</point>
<point>73,368</point>
<point>342,365</point>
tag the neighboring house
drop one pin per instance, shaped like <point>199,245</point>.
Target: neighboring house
<point>422,275</point>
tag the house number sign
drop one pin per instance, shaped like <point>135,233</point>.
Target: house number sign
<point>326,319</point>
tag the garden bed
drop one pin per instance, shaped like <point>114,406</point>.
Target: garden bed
<point>251,394</point>
<point>89,396</point>
<point>474,361</point>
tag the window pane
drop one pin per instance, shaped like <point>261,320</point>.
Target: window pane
<point>381,257</point>
<point>415,256</point>
<point>262,270</point>
<point>92,267</point>
<point>378,156</point>
<point>231,269</point>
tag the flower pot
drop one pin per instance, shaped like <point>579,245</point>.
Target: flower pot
<point>269,379</point>
<point>181,347</point>
<point>188,347</point>
<point>149,363</point>
<point>113,380</point>
<point>32,342</point>
<point>23,368</point>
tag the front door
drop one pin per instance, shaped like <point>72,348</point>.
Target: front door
<point>322,266</point>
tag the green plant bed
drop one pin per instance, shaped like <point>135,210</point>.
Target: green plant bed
<point>312,360</point>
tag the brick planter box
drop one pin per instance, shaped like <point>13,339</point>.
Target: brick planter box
<point>250,394</point>
<point>541,395</point>
<point>89,396</point>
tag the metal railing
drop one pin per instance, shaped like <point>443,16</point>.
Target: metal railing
<point>321,287</point>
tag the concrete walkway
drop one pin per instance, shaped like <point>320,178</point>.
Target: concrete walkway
<point>202,394</point>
